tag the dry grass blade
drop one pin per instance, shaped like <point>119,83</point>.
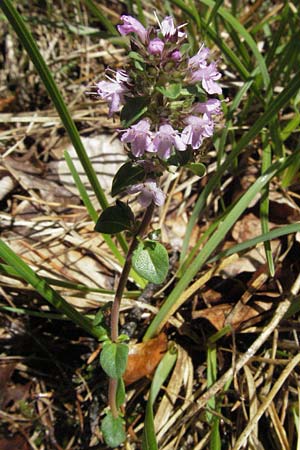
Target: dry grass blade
<point>267,402</point>
<point>199,400</point>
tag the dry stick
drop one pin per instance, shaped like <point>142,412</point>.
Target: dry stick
<point>114,324</point>
<point>247,431</point>
<point>244,359</point>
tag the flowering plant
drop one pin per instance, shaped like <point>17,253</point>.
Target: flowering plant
<point>167,103</point>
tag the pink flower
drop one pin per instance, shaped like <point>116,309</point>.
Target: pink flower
<point>176,55</point>
<point>198,61</point>
<point>196,130</point>
<point>140,138</point>
<point>149,192</point>
<point>210,107</point>
<point>131,25</point>
<point>113,91</point>
<point>208,76</point>
<point>156,46</point>
<point>169,30</point>
<point>165,138</point>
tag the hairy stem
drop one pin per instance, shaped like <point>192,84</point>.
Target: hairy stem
<point>114,324</point>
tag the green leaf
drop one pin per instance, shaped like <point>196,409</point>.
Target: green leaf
<point>127,175</point>
<point>133,110</point>
<point>121,393</point>
<point>136,56</point>
<point>163,369</point>
<point>113,430</point>
<point>115,219</point>
<point>113,359</point>
<point>198,169</point>
<point>151,261</point>
<point>172,91</point>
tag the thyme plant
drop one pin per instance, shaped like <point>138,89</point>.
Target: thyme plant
<point>168,105</point>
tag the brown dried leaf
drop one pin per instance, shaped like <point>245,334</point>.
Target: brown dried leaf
<point>247,228</point>
<point>5,102</point>
<point>144,357</point>
<point>17,442</point>
<point>217,315</point>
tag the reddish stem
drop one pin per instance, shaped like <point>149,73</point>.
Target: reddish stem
<point>115,311</point>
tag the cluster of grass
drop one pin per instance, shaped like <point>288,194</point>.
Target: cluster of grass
<point>258,46</point>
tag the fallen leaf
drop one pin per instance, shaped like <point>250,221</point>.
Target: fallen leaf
<point>144,357</point>
<point>247,228</point>
<point>217,315</point>
<point>5,102</point>
<point>17,442</point>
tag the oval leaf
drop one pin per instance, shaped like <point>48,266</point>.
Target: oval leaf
<point>115,219</point>
<point>197,168</point>
<point>127,175</point>
<point>113,359</point>
<point>172,91</point>
<point>113,430</point>
<point>151,261</point>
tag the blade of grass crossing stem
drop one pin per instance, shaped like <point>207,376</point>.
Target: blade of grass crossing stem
<point>9,271</point>
<point>172,303</point>
<point>243,246</point>
<point>264,203</point>
<point>31,47</point>
<point>97,13</point>
<point>94,216</point>
<point>49,294</point>
<point>163,369</point>
<point>280,101</point>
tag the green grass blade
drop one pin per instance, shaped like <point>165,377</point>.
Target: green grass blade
<point>49,294</point>
<point>171,304</point>
<point>81,188</point>
<point>9,271</point>
<point>240,29</point>
<point>282,99</point>
<point>250,243</point>
<point>213,13</point>
<point>29,312</point>
<point>264,206</point>
<point>160,376</point>
<point>97,13</point>
<point>190,9</point>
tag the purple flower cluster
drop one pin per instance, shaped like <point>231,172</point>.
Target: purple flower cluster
<point>175,119</point>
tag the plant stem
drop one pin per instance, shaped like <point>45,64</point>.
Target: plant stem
<point>114,324</point>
